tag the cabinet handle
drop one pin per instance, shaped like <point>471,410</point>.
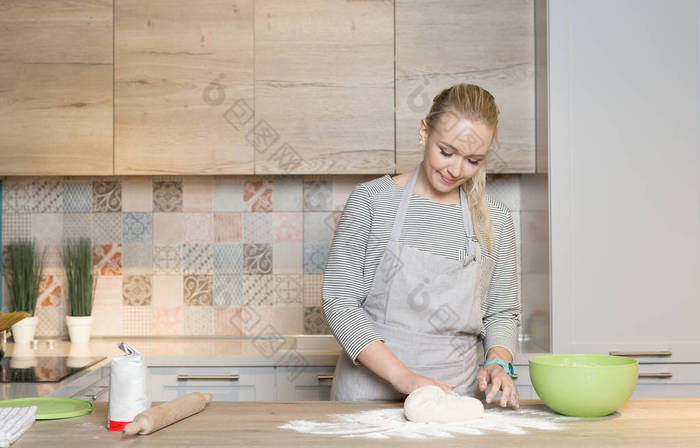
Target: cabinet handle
<point>655,375</point>
<point>322,377</point>
<point>187,377</point>
<point>643,354</point>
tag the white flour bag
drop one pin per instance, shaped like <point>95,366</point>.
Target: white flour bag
<point>128,387</point>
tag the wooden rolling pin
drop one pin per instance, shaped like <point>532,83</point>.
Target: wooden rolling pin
<point>167,413</point>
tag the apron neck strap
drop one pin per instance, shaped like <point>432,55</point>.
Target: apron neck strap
<point>406,197</point>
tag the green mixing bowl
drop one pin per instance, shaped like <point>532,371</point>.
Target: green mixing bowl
<point>584,385</point>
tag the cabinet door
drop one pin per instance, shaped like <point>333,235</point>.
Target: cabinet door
<point>183,86</point>
<point>308,383</point>
<point>625,246</point>
<point>224,383</point>
<point>56,87</point>
<point>324,87</point>
<point>484,42</point>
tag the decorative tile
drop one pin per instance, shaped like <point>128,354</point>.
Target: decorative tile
<point>77,225</point>
<point>317,228</point>
<point>50,291</point>
<point>287,193</point>
<point>257,258</point>
<point>16,196</point>
<point>168,228</point>
<point>77,197</point>
<point>257,195</point>
<point>341,188</point>
<point>257,227</point>
<point>228,194</point>
<point>312,289</point>
<point>15,226</point>
<point>137,227</point>
<point>107,258</point>
<point>167,321</point>
<point>257,290</point>
<point>252,322</point>
<point>168,291</point>
<point>197,258</point>
<point>137,290</point>
<point>106,196</point>
<point>47,228</point>
<point>51,322</point>
<point>284,320</point>
<point>227,322</point>
<point>315,257</point>
<point>198,289</point>
<point>228,290</point>
<point>108,291</point>
<point>505,188</point>
<point>46,196</point>
<point>287,226</point>
<point>199,320</point>
<point>197,193</point>
<point>107,321</point>
<point>199,228</point>
<point>167,259</point>
<point>228,258</point>
<point>228,227</point>
<point>137,258</point>
<point>288,289</point>
<point>106,228</point>
<point>314,322</point>
<point>167,196</point>
<point>137,194</point>
<point>288,258</point>
<point>317,195</point>
<point>138,320</point>
<point>53,256</point>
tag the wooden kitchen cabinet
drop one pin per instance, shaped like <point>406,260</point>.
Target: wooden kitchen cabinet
<point>224,383</point>
<point>485,42</point>
<point>56,87</point>
<point>324,87</point>
<point>183,87</point>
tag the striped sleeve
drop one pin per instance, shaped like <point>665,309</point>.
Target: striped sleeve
<point>501,317</point>
<point>343,290</point>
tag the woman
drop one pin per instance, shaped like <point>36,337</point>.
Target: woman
<point>422,268</point>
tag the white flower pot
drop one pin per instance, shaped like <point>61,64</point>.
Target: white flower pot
<point>23,331</point>
<point>79,328</point>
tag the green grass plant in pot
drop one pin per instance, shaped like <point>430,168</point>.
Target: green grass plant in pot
<point>81,279</point>
<point>23,278</point>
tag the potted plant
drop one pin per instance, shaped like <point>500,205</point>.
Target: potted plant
<point>81,278</point>
<point>23,278</point>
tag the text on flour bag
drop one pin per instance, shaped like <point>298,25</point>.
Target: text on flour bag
<point>128,387</point>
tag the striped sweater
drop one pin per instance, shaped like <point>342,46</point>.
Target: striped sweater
<point>363,233</point>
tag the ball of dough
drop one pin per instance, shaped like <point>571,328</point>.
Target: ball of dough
<point>430,404</point>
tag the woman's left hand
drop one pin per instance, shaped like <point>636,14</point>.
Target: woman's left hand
<point>495,375</point>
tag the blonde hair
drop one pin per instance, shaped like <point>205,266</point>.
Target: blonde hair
<point>475,104</point>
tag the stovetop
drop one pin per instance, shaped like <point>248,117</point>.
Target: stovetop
<point>43,369</point>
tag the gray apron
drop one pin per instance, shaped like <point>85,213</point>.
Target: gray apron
<point>427,309</point>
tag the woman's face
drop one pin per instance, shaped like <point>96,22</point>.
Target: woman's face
<point>454,150</point>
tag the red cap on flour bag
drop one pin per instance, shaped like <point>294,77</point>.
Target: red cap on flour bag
<point>128,387</point>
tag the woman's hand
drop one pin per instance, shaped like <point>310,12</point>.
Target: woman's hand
<point>408,381</point>
<point>495,375</point>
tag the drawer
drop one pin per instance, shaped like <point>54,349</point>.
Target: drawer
<point>307,383</point>
<point>223,383</point>
<point>668,381</point>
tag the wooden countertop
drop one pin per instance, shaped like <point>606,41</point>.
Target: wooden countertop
<point>639,423</point>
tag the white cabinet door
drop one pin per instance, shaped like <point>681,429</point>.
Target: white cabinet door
<point>625,178</point>
<point>224,383</point>
<point>309,383</point>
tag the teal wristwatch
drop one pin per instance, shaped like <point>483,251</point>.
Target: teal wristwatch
<point>508,367</point>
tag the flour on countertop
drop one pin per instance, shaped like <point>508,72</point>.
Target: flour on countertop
<point>386,423</point>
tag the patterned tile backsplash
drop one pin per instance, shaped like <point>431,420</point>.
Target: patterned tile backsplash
<point>191,255</point>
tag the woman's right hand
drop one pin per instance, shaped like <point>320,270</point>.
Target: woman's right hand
<point>409,381</point>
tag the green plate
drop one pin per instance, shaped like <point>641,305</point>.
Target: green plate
<point>48,408</point>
